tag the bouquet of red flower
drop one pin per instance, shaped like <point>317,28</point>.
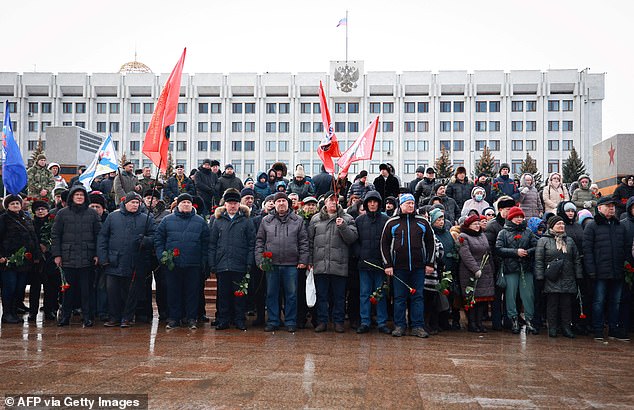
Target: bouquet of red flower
<point>167,257</point>
<point>243,286</point>
<point>473,283</point>
<point>18,258</point>
<point>496,186</point>
<point>378,293</point>
<point>445,283</point>
<point>65,286</point>
<point>517,237</point>
<point>267,261</point>
<point>629,274</point>
<point>45,232</point>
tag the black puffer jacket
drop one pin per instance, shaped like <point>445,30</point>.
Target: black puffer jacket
<point>506,247</point>
<point>227,181</point>
<point>546,252</point>
<point>573,228</point>
<point>459,191</point>
<point>75,231</point>
<point>622,194</point>
<point>370,227</point>
<point>604,248</point>
<point>205,181</point>
<point>125,242</point>
<point>232,241</point>
<point>424,188</point>
<point>189,233</point>
<point>17,231</point>
<point>386,187</point>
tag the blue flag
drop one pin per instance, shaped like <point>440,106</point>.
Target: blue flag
<point>13,169</point>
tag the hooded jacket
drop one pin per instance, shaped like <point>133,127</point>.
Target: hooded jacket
<point>359,189</point>
<point>232,241</point>
<point>529,198</point>
<point>262,189</point>
<point>573,228</point>
<point>459,191</point>
<point>370,227</point>
<point>285,237</point>
<point>583,198</point>
<point>473,204</point>
<point>302,188</point>
<point>506,247</point>
<point>553,195</point>
<point>329,244</point>
<point>546,252</point>
<point>186,231</point>
<point>74,232</point>
<point>622,193</point>
<point>604,248</point>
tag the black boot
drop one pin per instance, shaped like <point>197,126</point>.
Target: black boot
<point>480,310</point>
<point>567,332</point>
<point>530,328</point>
<point>471,317</point>
<point>515,325</point>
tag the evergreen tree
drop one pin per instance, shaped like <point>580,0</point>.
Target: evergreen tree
<point>529,165</point>
<point>444,169</point>
<point>573,167</point>
<point>486,163</point>
<point>170,166</point>
<point>39,149</point>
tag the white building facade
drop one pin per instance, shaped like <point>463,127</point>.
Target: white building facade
<point>253,120</point>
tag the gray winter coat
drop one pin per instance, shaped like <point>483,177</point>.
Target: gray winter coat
<point>285,237</point>
<point>123,183</point>
<point>472,249</point>
<point>329,244</point>
<point>546,252</point>
<point>530,202</point>
<point>582,197</point>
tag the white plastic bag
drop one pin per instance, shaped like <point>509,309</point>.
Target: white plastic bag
<point>311,292</point>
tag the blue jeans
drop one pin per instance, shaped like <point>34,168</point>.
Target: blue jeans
<point>606,290</point>
<point>324,284</point>
<point>286,277</point>
<point>81,281</point>
<point>183,288</point>
<point>415,279</point>
<point>11,282</point>
<point>370,280</point>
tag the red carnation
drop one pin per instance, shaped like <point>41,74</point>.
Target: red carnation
<point>582,316</point>
<point>65,287</point>
<point>51,216</point>
<point>517,237</point>
<point>238,294</point>
<point>45,199</point>
<point>461,240</point>
<point>306,183</point>
<point>445,292</point>
<point>412,291</point>
<point>267,254</point>
<point>561,196</point>
<point>373,300</point>
<point>466,308</point>
<point>177,252</point>
<point>28,255</point>
<point>624,201</point>
<point>184,185</point>
<point>195,206</point>
<point>122,199</point>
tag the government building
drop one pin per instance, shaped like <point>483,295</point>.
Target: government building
<point>253,120</point>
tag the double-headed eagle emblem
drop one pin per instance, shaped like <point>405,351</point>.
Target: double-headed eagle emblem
<point>346,78</point>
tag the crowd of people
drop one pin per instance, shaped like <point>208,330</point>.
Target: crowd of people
<point>401,257</point>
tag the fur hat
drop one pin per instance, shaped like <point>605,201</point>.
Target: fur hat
<point>246,192</point>
<point>280,195</point>
<point>39,157</point>
<point>505,165</point>
<point>231,195</point>
<point>362,174</point>
<point>11,198</point>
<point>505,202</point>
<point>96,197</point>
<point>131,196</point>
<point>382,167</point>
<point>515,211</point>
<point>184,197</point>
<point>39,203</point>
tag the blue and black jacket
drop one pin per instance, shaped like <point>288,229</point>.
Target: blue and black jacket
<point>407,243</point>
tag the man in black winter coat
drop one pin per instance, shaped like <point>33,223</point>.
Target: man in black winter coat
<point>178,184</point>
<point>419,177</point>
<point>425,187</point>
<point>205,180</point>
<point>322,182</point>
<point>228,180</point>
<point>386,184</point>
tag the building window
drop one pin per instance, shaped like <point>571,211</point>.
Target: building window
<point>182,108</point>
<point>318,127</point>
<point>271,127</point>
<point>480,144</point>
<point>236,126</point>
<point>458,126</point>
<point>446,144</point>
<point>553,145</point>
<point>458,106</point>
<point>181,127</point>
<point>553,105</point>
<point>282,146</point>
<point>32,126</point>
<point>81,124</point>
<point>517,106</point>
<point>409,167</point>
<point>249,108</point>
<point>494,126</point>
<point>202,146</point>
<point>410,145</point>
<point>517,126</point>
<point>353,126</point>
<point>67,108</point>
<point>388,107</point>
<point>553,125</point>
<point>517,145</point>
<point>80,108</point>
<point>304,108</point>
<point>236,145</point>
<point>340,127</point>
<point>135,108</point>
<point>481,126</point>
<point>181,145</point>
<point>135,145</point>
<point>114,108</point>
<point>553,165</point>
<point>148,108</point>
<point>214,145</point>
<point>516,165</point>
<point>387,147</point>
<point>216,127</point>
<point>531,145</point>
<point>46,108</point>
<point>305,146</point>
<point>410,126</point>
<point>249,167</point>
<point>102,108</point>
<point>32,145</point>
<point>566,125</point>
<point>203,127</point>
<point>494,106</point>
<point>33,108</point>
<point>68,124</point>
<point>531,106</point>
<point>271,108</point>
<point>135,127</point>
<point>567,145</point>
<point>458,145</point>
<point>284,127</point>
<point>353,108</point>
<point>271,146</point>
<point>481,106</point>
<point>216,108</point>
<point>249,145</point>
<point>236,108</point>
<point>409,107</point>
<point>445,126</point>
<point>340,108</point>
<point>304,127</point>
<point>423,145</point>
<point>146,125</point>
<point>375,108</point>
<point>316,108</point>
<point>423,126</point>
<point>423,107</point>
<point>114,126</point>
<point>567,105</point>
<point>249,126</point>
<point>445,106</point>
<point>388,126</point>
<point>494,145</point>
<point>531,126</point>
<point>101,126</point>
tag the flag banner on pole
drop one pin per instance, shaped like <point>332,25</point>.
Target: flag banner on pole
<point>329,146</point>
<point>105,162</point>
<point>343,22</point>
<point>13,170</point>
<point>157,137</point>
<point>362,148</point>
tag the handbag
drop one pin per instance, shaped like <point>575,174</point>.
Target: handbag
<point>311,291</point>
<point>553,270</point>
<point>500,282</point>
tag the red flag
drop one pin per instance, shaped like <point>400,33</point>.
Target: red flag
<point>157,137</point>
<point>329,146</point>
<point>362,148</point>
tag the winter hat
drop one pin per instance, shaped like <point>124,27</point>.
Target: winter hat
<point>430,170</point>
<point>299,171</point>
<point>505,165</point>
<point>269,198</point>
<point>184,197</point>
<point>95,197</point>
<point>583,215</point>
<point>405,197</point>
<point>53,164</point>
<point>228,166</point>
<point>39,157</point>
<point>362,174</point>
<point>310,199</point>
<point>570,206</point>
<point>214,163</point>
<point>328,195</point>
<point>505,202</point>
<point>483,174</point>
<point>391,200</point>
<point>38,203</point>
<point>489,208</point>
<point>231,195</point>
<point>246,192</point>
<point>470,220</point>
<point>248,179</point>
<point>382,167</point>
<point>434,214</point>
<point>461,170</point>
<point>606,200</point>
<point>131,196</point>
<point>594,186</point>
<point>10,198</point>
<point>64,195</point>
<point>552,221</point>
<point>546,217</point>
<point>515,211</point>
<point>125,164</point>
<point>181,166</point>
<point>476,189</point>
<point>438,186</point>
<point>152,192</point>
<point>279,184</point>
<point>206,161</point>
<point>421,169</point>
<point>533,224</point>
<point>280,195</point>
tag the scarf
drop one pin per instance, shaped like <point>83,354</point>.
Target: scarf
<point>179,181</point>
<point>560,241</point>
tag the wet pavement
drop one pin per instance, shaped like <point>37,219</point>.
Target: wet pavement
<point>205,368</point>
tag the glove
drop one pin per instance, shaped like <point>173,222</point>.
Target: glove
<point>478,274</point>
<point>587,204</point>
<point>524,190</point>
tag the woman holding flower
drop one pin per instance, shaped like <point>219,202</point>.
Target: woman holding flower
<point>476,272</point>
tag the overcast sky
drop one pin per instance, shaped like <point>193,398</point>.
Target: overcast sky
<point>300,36</point>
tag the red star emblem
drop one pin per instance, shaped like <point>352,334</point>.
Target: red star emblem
<point>611,154</point>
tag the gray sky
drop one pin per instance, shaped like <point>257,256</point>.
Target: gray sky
<point>299,36</point>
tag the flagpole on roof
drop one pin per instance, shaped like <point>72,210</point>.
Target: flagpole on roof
<point>346,36</point>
